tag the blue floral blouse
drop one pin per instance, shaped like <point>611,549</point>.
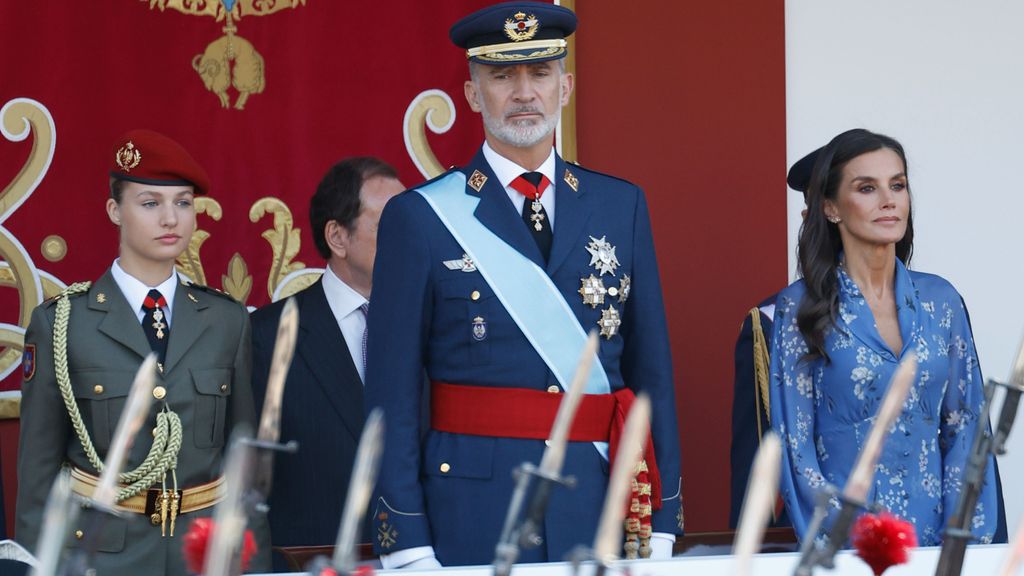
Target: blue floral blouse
<point>824,411</point>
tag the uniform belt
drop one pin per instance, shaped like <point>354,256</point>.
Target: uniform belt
<point>529,414</point>
<point>190,499</point>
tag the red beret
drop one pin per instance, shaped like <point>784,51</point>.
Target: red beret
<point>149,157</point>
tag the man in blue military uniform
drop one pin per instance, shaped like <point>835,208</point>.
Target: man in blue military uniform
<point>487,279</point>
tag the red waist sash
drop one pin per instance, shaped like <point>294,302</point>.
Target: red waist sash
<point>529,414</point>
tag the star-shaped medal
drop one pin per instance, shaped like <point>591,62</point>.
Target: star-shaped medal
<point>602,256</point>
<point>624,286</point>
<point>609,322</point>
<point>592,289</point>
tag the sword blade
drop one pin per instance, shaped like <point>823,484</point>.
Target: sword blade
<point>608,540</point>
<point>270,419</point>
<point>284,349</point>
<point>222,557</point>
<point>58,514</point>
<point>132,417</point>
<point>758,503</point>
<point>859,484</point>
<point>364,477</point>
<point>554,455</point>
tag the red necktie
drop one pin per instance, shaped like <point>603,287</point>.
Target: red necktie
<point>532,185</point>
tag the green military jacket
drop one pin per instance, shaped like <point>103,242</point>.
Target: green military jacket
<point>206,376</point>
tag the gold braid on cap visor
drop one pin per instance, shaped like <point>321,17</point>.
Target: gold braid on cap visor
<point>495,53</point>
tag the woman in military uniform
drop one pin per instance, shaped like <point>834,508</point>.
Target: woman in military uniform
<point>82,350</point>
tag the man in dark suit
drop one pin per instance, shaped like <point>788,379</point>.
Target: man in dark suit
<point>323,398</point>
<point>488,278</point>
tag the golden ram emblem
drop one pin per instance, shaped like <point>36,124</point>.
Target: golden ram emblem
<point>230,61</point>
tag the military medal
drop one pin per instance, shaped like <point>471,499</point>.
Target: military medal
<point>609,322</point>
<point>158,323</point>
<point>624,287</point>
<point>592,289</point>
<point>479,329</point>
<point>602,256</point>
<point>464,264</point>
<point>536,217</point>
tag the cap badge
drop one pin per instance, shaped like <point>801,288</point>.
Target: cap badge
<point>128,157</point>
<point>521,27</point>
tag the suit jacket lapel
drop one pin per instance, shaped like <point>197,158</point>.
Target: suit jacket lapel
<point>572,210</point>
<point>120,322</point>
<point>323,349</point>
<point>187,324</point>
<point>497,213</point>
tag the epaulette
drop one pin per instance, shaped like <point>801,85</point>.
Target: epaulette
<point>581,168</point>
<point>210,290</point>
<point>75,289</point>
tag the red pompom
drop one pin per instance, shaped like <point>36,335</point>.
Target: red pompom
<point>197,540</point>
<point>883,541</point>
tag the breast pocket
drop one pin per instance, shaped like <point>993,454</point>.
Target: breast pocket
<point>213,387</point>
<point>101,396</point>
<point>473,307</point>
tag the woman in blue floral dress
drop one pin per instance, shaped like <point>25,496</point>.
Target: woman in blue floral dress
<point>841,331</point>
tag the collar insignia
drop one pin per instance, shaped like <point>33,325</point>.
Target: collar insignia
<point>571,180</point>
<point>477,180</point>
<point>101,298</point>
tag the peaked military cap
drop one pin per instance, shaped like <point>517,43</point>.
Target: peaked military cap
<point>514,33</point>
<point>148,157</point>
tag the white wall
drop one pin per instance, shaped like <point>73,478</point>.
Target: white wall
<point>946,78</point>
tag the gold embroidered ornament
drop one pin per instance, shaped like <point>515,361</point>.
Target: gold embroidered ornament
<point>521,27</point>
<point>128,157</point>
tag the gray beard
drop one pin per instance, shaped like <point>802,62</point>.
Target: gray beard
<point>521,134</point>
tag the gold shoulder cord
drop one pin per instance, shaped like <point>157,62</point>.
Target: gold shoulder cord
<point>761,367</point>
<point>163,455</point>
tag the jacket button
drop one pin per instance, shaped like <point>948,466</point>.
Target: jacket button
<point>475,295</point>
<point>223,387</point>
<point>554,389</point>
<point>98,389</point>
<point>445,467</point>
<point>154,519</point>
<point>159,392</point>
<point>79,534</point>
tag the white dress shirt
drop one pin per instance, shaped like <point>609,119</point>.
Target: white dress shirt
<point>507,171</point>
<point>345,303</point>
<point>135,291</point>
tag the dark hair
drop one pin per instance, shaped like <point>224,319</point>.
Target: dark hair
<point>117,189</point>
<point>337,196</point>
<point>819,246</point>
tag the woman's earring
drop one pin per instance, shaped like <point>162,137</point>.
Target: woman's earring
<point>835,219</point>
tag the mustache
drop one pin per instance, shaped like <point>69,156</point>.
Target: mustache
<point>523,110</point>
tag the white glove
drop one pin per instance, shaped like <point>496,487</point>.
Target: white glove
<point>661,545</point>
<point>420,557</point>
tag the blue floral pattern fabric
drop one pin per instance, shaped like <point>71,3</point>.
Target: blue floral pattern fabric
<point>823,411</point>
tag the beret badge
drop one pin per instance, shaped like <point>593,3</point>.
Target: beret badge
<point>521,27</point>
<point>128,157</point>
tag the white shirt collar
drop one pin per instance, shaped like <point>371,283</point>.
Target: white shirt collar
<point>135,291</point>
<point>507,170</point>
<point>341,297</point>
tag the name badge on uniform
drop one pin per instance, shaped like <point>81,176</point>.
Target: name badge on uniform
<point>479,329</point>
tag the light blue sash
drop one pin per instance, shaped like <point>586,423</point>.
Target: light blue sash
<point>524,289</point>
